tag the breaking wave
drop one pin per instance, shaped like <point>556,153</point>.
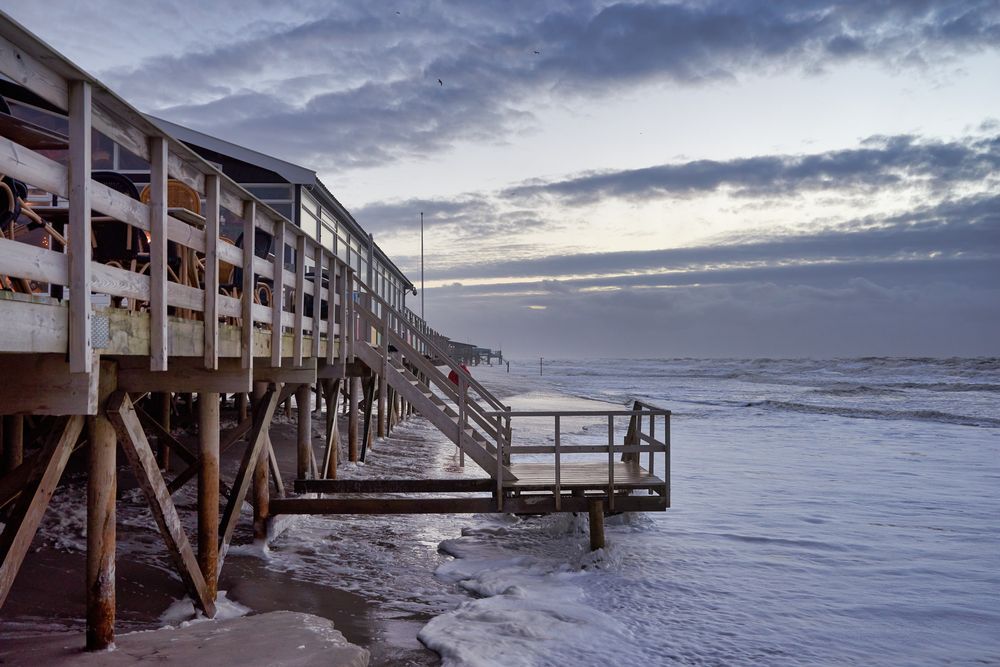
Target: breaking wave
<point>871,413</point>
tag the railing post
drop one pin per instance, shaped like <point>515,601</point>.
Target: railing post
<point>158,332</point>
<point>212,220</point>
<point>300,299</point>
<point>499,477</point>
<point>317,313</point>
<point>611,462</point>
<point>652,443</point>
<point>80,108</point>
<point>463,389</point>
<point>666,472</point>
<point>249,282</point>
<point>331,306</point>
<point>558,461</point>
<point>278,295</point>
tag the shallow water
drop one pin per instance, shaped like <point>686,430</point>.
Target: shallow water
<point>823,513</point>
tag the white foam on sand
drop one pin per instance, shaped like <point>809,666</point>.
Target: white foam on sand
<point>183,612</point>
<point>532,603</point>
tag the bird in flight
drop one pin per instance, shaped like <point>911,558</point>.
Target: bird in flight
<point>440,82</point>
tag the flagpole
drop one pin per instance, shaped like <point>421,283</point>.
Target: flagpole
<point>422,266</point>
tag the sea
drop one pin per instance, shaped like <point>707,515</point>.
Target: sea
<point>832,512</point>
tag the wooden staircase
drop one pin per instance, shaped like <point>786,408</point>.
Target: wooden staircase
<point>469,439</point>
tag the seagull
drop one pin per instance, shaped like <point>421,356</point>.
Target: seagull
<point>440,82</point>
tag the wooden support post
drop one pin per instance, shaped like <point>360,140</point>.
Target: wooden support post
<point>352,420</point>
<point>596,509</point>
<point>102,483</point>
<point>208,491</point>
<point>332,431</point>
<point>13,439</point>
<point>166,404</point>
<point>368,433</point>
<point>302,397</point>
<point>41,484</point>
<point>80,110</point>
<point>242,400</point>
<point>140,456</point>
<point>261,497</point>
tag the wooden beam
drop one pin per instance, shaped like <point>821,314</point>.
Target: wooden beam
<point>383,506</point>
<point>278,296</point>
<point>136,447</point>
<point>23,522</point>
<point>260,492</point>
<point>287,374</point>
<point>185,375</point>
<point>158,334</point>
<point>262,414</point>
<point>66,392</point>
<point>212,222</point>
<point>80,107</point>
<point>457,485</point>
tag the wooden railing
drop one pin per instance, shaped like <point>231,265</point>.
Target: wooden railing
<point>88,107</point>
<point>640,438</point>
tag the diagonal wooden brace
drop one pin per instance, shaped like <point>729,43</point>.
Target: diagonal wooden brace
<point>133,441</point>
<point>41,484</point>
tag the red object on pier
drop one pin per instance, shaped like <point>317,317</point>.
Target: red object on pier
<point>453,375</point>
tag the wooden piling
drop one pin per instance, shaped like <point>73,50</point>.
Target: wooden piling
<point>261,497</point>
<point>208,490</point>
<point>13,450</point>
<point>102,485</point>
<point>596,509</point>
<point>166,403</point>
<point>243,400</point>
<point>353,418</point>
<point>304,449</point>
<point>383,403</point>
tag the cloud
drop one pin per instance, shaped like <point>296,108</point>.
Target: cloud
<point>880,162</point>
<point>356,84</point>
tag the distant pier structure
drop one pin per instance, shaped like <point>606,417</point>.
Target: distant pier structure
<point>150,274</point>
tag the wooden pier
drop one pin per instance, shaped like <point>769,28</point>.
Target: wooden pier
<point>95,353</point>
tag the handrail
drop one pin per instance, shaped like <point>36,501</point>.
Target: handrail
<point>633,442</point>
<point>480,389</point>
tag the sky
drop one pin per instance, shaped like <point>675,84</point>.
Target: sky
<point>605,179</point>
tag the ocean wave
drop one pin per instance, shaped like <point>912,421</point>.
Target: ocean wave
<point>874,413</point>
<point>855,390</point>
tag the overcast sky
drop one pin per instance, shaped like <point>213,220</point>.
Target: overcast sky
<point>701,178</point>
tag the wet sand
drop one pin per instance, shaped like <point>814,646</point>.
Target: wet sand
<point>48,595</point>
